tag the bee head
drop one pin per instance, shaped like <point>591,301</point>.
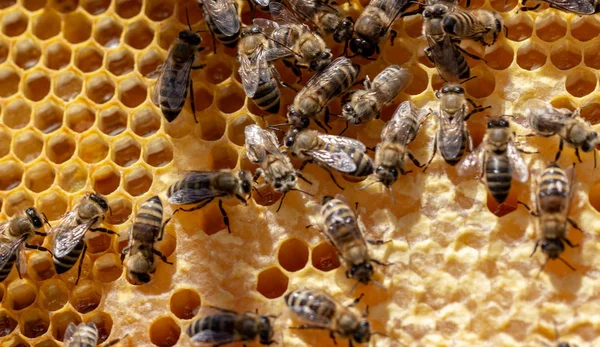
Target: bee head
<point>326,199</point>
<point>190,37</point>
<point>591,141</point>
<point>450,88</point>
<point>100,200</point>
<point>497,123</point>
<point>344,30</point>
<point>265,330</point>
<point>362,47</point>
<point>435,11</point>
<point>362,333</point>
<point>35,217</point>
<point>362,272</point>
<point>386,175</point>
<point>285,183</point>
<point>553,248</point>
<point>290,137</point>
<point>348,111</point>
<point>245,182</point>
<point>320,62</point>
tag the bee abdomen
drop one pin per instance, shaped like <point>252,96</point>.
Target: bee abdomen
<point>463,68</point>
<point>364,164</point>
<point>64,264</point>
<point>315,302</point>
<point>5,271</point>
<point>457,23</point>
<point>148,221</point>
<point>222,323</point>
<point>267,96</point>
<point>498,177</point>
<point>170,105</point>
<point>85,337</point>
<point>554,182</point>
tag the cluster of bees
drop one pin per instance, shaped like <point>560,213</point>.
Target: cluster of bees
<point>293,35</point>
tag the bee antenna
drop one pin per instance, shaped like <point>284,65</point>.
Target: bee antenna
<point>276,129</point>
<point>567,264</point>
<point>392,194</point>
<point>281,202</point>
<point>109,210</point>
<point>302,191</point>
<point>542,268</point>
<point>353,287</point>
<point>468,79</point>
<point>257,192</point>
<point>46,219</point>
<point>379,284</point>
<point>187,18</point>
<point>368,185</point>
<point>284,46</point>
<point>273,127</point>
<point>380,334</point>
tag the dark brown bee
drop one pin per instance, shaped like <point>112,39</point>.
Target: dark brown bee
<point>498,160</point>
<point>477,25</point>
<point>576,6</point>
<point>145,231</point>
<point>69,243</point>
<point>340,153</point>
<point>552,203</point>
<point>223,21</point>
<point>14,235</point>
<point>84,335</point>
<point>202,187</point>
<point>170,90</point>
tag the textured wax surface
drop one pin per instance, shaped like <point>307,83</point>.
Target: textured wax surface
<point>76,116</point>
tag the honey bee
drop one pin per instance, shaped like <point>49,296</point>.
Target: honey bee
<point>476,25</point>
<point>222,19</point>
<point>202,187</point>
<point>452,136</point>
<point>13,240</point>
<point>262,5</point>
<point>340,153</point>
<point>373,25</point>
<point>546,120</point>
<point>366,104</point>
<point>339,224</point>
<point>84,335</point>
<point>320,90</point>
<point>170,90</point>
<point>581,7</point>
<point>289,37</point>
<point>318,310</point>
<point>553,197</point>
<point>69,244</point>
<point>391,153</point>
<point>146,229</point>
<point>498,159</point>
<point>226,326</point>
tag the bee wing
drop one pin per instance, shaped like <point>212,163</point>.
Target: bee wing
<point>207,338</point>
<point>311,315</point>
<point>266,26</point>
<point>309,8</point>
<point>343,141</point>
<point>180,84</point>
<point>258,142</point>
<point>224,14</point>
<point>575,6</point>
<point>392,8</point>
<point>68,234</point>
<point>442,54</point>
<point>398,128</point>
<point>453,135</point>
<point>472,162</point>
<point>8,249</point>
<point>262,2</point>
<point>520,172</point>
<point>283,15</point>
<point>340,161</point>
<point>22,259</point>
<point>190,194</point>
<point>250,68</point>
<point>329,75</point>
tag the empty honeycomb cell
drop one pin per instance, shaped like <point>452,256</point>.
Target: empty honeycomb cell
<point>149,61</point>
<point>145,122</point>
<point>72,177</point>
<point>520,26</point>
<point>585,28</point>
<point>128,8</point>
<point>14,23</point>
<point>108,32</point>
<point>97,242</point>
<point>86,297</point>
<point>413,26</point>
<point>60,148</point>
<point>107,268</point>
<point>40,266</point>
<point>7,3</point>
<point>5,139</point>
<point>325,257</point>
<point>158,10</point>
<point>164,332</point>
<point>77,28</point>
<point>132,92</point>
<point>8,323</point>
<point>34,322</point>
<point>223,156</point>
<point>48,117</point>
<point>121,210</point>
<point>17,202</point>
<point>550,27</point>
<point>218,70</point>
<point>20,294</point>
<point>591,112</point>
<point>564,102</point>
<point>235,132</point>
<point>580,82</point>
<point>398,54</point>
<point>137,181</point>
<point>565,55</point>
<point>39,177</point>
<point>272,283</point>
<point>11,174</point>
<point>203,99</point>
<point>138,35</point>
<point>46,343</point>
<point>27,146</point>
<point>88,58</point>
<point>57,55</point>
<point>293,255</point>
<point>60,322</point>
<point>26,53</point>
<point>36,85</point>
<point>419,82</point>
<point>158,152</point>
<point>64,6</point>
<point>68,85</point>
<point>167,34</point>
<point>9,82</point>
<point>503,5</point>
<point>53,204</point>
<point>126,151</point>
<point>592,55</point>
<point>105,179</point>
<point>531,56</point>
<point>113,121</point>
<point>194,12</point>
<point>46,25</point>
<point>482,86</point>
<point>80,117</point>
<point>53,295</point>
<point>230,98</point>
<point>34,5</point>
<point>185,303</point>
<point>100,88</point>
<point>95,7</point>
<point>120,62</point>
<point>103,322</point>
<point>92,149</point>
<point>3,51</point>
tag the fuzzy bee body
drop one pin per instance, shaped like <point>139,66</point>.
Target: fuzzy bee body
<point>84,335</point>
<point>475,25</point>
<point>222,19</point>
<point>328,19</point>
<point>581,7</point>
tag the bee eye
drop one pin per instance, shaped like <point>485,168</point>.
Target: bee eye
<point>348,107</point>
<point>305,122</point>
<point>289,142</point>
<point>325,55</point>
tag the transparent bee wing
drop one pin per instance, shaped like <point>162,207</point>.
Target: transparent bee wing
<point>398,128</point>
<point>71,328</point>
<point>9,248</point>
<point>249,73</point>
<point>471,164</point>
<point>339,161</point>
<point>520,119</point>
<point>68,233</point>
<point>22,259</point>
<point>443,56</point>
<point>520,172</point>
<point>392,8</point>
<point>224,14</point>
<point>155,96</point>
<point>283,15</point>
<point>180,84</point>
<point>266,26</point>
<point>190,194</point>
<point>310,315</point>
<point>575,6</point>
<point>451,133</point>
<point>207,338</point>
<point>260,139</point>
<point>262,2</point>
<point>343,141</point>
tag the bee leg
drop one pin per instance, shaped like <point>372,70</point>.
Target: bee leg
<point>320,125</point>
<point>577,155</point>
<point>303,178</point>
<point>252,7</point>
<point>114,342</point>
<point>326,118</point>
<point>39,248</point>
<point>41,233</point>
<point>566,240</point>
<point>560,148</point>
<point>355,301</point>
<point>469,54</point>
<point>393,34</point>
<point>381,263</point>
<point>192,101</point>
<point>81,258</point>
<point>316,327</point>
<point>414,160</point>
<point>433,154</point>
<point>378,242</point>
<point>224,214</point>
<point>332,177</point>
<point>222,309</point>
<point>214,42</point>
<point>124,253</point>
<point>533,213</point>
<point>161,256</point>
<point>574,224</point>
<point>104,230</point>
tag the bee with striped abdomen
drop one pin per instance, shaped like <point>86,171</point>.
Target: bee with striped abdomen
<point>498,160</point>
<point>552,203</point>
<point>452,136</point>
<point>226,326</point>
<point>477,25</point>
<point>84,335</point>
<point>171,88</point>
<point>366,104</point>
<point>69,236</point>
<point>581,7</point>
<point>145,231</point>
<point>223,21</point>
<point>342,154</point>
<point>202,187</point>
<point>313,99</point>
<point>14,235</point>
<point>318,310</point>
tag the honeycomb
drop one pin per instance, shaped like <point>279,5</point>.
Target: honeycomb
<point>76,116</point>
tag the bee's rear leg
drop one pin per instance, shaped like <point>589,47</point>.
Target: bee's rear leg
<point>39,248</point>
<point>161,256</point>
<point>577,155</point>
<point>316,327</point>
<point>192,101</point>
<point>332,177</point>
<point>414,160</point>
<point>393,34</point>
<point>320,125</point>
<point>81,259</point>
<point>104,230</point>
<point>124,253</point>
<point>295,69</point>
<point>560,148</point>
<point>574,224</point>
<point>214,41</point>
<point>224,214</point>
